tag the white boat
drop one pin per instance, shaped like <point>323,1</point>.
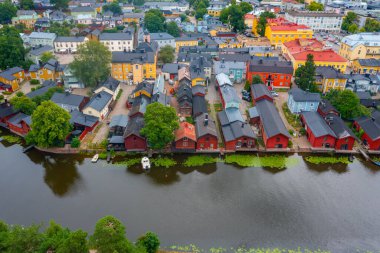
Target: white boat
<point>145,163</point>
<point>95,158</point>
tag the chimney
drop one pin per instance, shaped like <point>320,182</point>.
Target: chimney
<point>261,61</point>
<point>206,120</point>
<point>242,125</point>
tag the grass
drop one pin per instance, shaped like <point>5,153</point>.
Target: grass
<point>218,107</point>
<point>290,117</point>
<point>129,162</point>
<point>119,94</point>
<point>274,161</point>
<point>327,159</point>
<point>198,160</point>
<point>164,162</point>
<point>195,249</point>
<point>12,139</point>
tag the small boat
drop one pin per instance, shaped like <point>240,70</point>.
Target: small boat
<point>376,162</point>
<point>145,163</point>
<point>95,158</point>
<point>27,148</point>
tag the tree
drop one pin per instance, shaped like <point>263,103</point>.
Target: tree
<point>75,242</point>
<point>138,2</point>
<point>4,234</point>
<point>314,6</point>
<point>60,4</point>
<point>347,103</point>
<point>24,239</point>
<point>114,7</point>
<point>26,4</point>
<point>160,123</point>
<point>245,7</point>
<point>60,29</point>
<point>173,29</point>
<point>256,79</point>
<point>305,75</point>
<point>109,236</point>
<point>183,17</point>
<point>233,15</point>
<point>48,95</point>
<point>348,20</point>
<point>7,12</point>
<point>372,25</point>
<point>154,21</point>
<point>12,51</point>
<point>75,142</point>
<point>353,28</point>
<point>263,22</point>
<point>24,104</point>
<point>50,125</point>
<point>166,54</point>
<point>150,242</point>
<point>46,56</point>
<point>92,63</point>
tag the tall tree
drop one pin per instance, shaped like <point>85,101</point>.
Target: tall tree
<point>109,236</point>
<point>114,7</point>
<point>26,4</point>
<point>347,103</point>
<point>60,29</point>
<point>154,21</point>
<point>305,75</point>
<point>348,20</point>
<point>46,56</point>
<point>138,2</point>
<point>353,28</point>
<point>245,7</point>
<point>7,12</point>
<point>12,51</point>
<point>233,15</point>
<point>50,125</point>
<point>24,239</point>
<point>314,6</point>
<point>24,104</point>
<point>372,25</point>
<point>60,4</point>
<point>4,234</point>
<point>166,54</point>
<point>92,63</point>
<point>173,29</point>
<point>160,123</point>
<point>150,242</point>
<point>263,22</point>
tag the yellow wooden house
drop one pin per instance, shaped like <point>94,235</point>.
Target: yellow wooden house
<point>12,77</point>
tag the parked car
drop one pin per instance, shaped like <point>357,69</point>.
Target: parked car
<point>274,94</point>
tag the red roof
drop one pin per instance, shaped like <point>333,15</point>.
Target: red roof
<point>300,45</point>
<point>281,24</point>
<point>248,15</point>
<point>185,130</point>
<point>325,55</point>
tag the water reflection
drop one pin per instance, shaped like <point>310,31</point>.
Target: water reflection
<point>369,166</point>
<point>339,168</point>
<point>61,172</point>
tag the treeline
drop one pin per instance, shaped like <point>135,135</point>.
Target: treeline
<point>108,237</point>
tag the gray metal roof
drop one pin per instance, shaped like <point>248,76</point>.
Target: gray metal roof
<point>83,9</point>
<point>229,95</point>
<point>67,99</point>
<point>199,105</point>
<point>139,105</point>
<point>119,120</point>
<point>236,130</point>
<point>371,125</point>
<point>79,118</point>
<point>337,125</point>
<point>69,39</point>
<point>202,129</point>
<point>265,65</point>
<point>317,124</point>
<point>115,36</point>
<point>133,57</point>
<point>303,96</point>
<point>99,101</point>
<point>370,62</point>
<point>253,113</point>
<point>8,73</point>
<point>111,84</point>
<point>161,36</point>
<point>42,35</point>
<point>40,50</point>
<point>41,91</point>
<point>171,68</point>
<point>134,126</point>
<point>270,119</point>
<point>229,116</point>
<point>260,90</point>
<point>329,72</point>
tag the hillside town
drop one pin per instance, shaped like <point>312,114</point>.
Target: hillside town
<point>200,76</point>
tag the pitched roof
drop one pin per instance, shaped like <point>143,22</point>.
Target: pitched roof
<point>42,35</point>
<point>369,39</point>
<point>264,65</point>
<point>70,39</point>
<point>270,119</point>
<point>260,90</point>
<point>317,124</point>
<point>185,130</point>
<point>184,91</point>
<point>139,105</point>
<point>236,130</point>
<point>202,128</point>
<point>337,125</point>
<point>198,89</point>
<point>229,94</point>
<point>16,119</point>
<point>161,36</point>
<point>244,57</point>
<point>171,68</point>
<point>67,99</point>
<point>6,109</point>
<point>115,36</point>
<point>229,116</point>
<point>222,79</point>
<point>79,118</point>
<point>8,73</point>
<point>303,96</point>
<point>134,126</point>
<point>326,107</point>
<point>41,91</point>
<point>370,62</point>
<point>83,9</point>
<point>329,72</point>
<point>133,57</point>
<point>144,86</point>
<point>99,101</point>
<point>119,120</point>
<point>325,55</point>
<point>199,105</point>
<point>40,50</point>
<point>111,84</point>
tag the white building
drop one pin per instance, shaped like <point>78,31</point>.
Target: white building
<point>316,20</point>
<point>163,39</point>
<point>117,41</point>
<point>68,44</point>
<point>41,39</point>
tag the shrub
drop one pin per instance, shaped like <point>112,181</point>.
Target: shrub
<point>34,82</point>
<point>19,94</point>
<point>291,132</point>
<point>119,94</point>
<point>1,97</point>
<point>327,159</point>
<point>303,131</point>
<point>290,144</point>
<point>75,142</point>
<point>199,160</point>
<point>275,161</point>
<point>164,162</point>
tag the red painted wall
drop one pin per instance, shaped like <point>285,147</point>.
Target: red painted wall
<point>181,144</point>
<point>205,142</point>
<point>231,145</point>
<point>23,130</point>
<point>134,142</point>
<point>273,141</point>
<point>350,143</point>
<point>276,77</point>
<point>373,145</point>
<point>317,142</point>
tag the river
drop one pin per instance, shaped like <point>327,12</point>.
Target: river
<point>313,206</point>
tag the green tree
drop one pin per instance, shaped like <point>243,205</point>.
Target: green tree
<point>183,17</point>
<point>24,104</point>
<point>154,21</point>
<point>150,242</point>
<point>75,242</point>
<point>347,103</point>
<point>109,236</point>
<point>173,29</point>
<point>305,75</point>
<point>60,4</point>
<point>46,56</point>
<point>233,16</point>
<point>263,22</point>
<point>75,142</point>
<point>7,12</point>
<point>114,7</point>
<point>160,123</point>
<point>166,54</point>
<point>12,51</point>
<point>48,95</point>
<point>26,4</point>
<point>372,25</point>
<point>4,234</point>
<point>138,2</point>
<point>256,79</point>
<point>24,239</point>
<point>60,29</point>
<point>245,7</point>
<point>200,11</point>
<point>92,63</point>
<point>353,28</point>
<point>50,125</point>
<point>348,20</point>
<point>314,6</point>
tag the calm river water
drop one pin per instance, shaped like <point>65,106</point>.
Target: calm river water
<point>328,207</point>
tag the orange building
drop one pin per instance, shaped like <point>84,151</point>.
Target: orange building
<point>10,79</point>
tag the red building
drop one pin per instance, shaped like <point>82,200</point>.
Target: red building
<point>274,74</point>
<point>318,132</point>
<point>325,107</point>
<point>259,92</point>
<point>205,131</point>
<point>20,124</point>
<point>83,123</point>
<point>133,140</point>
<point>273,130</point>
<point>6,112</point>
<point>345,138</point>
<point>371,130</point>
<point>185,137</point>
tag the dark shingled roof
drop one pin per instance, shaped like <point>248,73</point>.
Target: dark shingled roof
<point>270,119</point>
<point>326,107</point>
<point>67,98</point>
<point>133,57</point>
<point>302,96</point>
<point>139,105</point>
<point>329,72</point>
<point>369,62</point>
<point>271,66</point>
<point>317,124</point>
<point>79,118</point>
<point>260,90</point>
<point>69,39</point>
<point>201,129</point>
<point>148,87</point>
<point>337,125</point>
<point>245,57</point>
<point>99,101</point>
<point>134,126</point>
<point>229,116</point>
<point>6,110</point>
<point>119,120</point>
<point>171,68</point>
<point>236,130</point>
<point>371,125</point>
<point>184,91</point>
<point>115,36</point>
<point>16,119</point>
<point>199,105</point>
<point>198,89</point>
<point>111,83</point>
